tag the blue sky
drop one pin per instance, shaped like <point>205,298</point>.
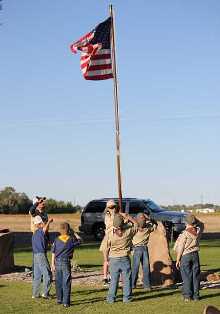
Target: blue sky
<point>56,131</point>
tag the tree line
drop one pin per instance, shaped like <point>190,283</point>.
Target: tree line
<point>192,207</point>
<point>12,202</point>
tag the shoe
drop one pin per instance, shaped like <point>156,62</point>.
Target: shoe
<point>59,302</point>
<point>66,305</point>
<point>35,297</point>
<point>196,299</point>
<point>187,300</point>
<point>46,297</point>
<point>127,301</point>
<point>105,282</point>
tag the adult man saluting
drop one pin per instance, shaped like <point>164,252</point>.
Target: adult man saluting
<point>38,209</point>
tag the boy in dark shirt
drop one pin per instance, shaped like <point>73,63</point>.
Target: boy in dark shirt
<point>41,264</point>
<point>62,253</point>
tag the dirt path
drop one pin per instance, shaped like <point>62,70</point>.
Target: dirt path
<point>85,277</point>
<point>88,278</point>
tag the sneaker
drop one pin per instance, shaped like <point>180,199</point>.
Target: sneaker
<point>35,297</point>
<point>59,302</point>
<point>105,282</point>
<point>46,297</point>
<point>66,305</point>
<point>196,299</point>
<point>186,299</point>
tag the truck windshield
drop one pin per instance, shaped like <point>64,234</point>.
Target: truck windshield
<point>152,206</point>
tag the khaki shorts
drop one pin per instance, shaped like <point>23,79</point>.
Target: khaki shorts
<point>103,246</point>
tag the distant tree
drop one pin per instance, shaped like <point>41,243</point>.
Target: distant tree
<point>13,202</point>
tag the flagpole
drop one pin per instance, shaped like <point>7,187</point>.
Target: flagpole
<point>116,109</point>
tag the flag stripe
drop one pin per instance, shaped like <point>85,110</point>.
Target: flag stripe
<point>99,72</point>
<point>99,67</point>
<point>99,62</point>
<point>99,77</point>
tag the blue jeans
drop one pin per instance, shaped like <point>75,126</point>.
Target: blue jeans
<point>41,268</point>
<point>119,265</point>
<point>190,272</point>
<point>63,280</point>
<point>141,257</point>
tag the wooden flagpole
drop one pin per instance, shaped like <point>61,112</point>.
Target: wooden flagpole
<point>116,108</point>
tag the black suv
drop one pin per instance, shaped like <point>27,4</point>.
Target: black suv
<point>92,217</point>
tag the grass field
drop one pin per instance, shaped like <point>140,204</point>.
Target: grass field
<point>15,297</point>
<point>22,222</point>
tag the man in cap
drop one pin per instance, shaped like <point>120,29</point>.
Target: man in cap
<point>38,209</point>
<point>41,264</point>
<point>141,256</point>
<point>110,210</point>
<point>118,248</point>
<point>187,248</point>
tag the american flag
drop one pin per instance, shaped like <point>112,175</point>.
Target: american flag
<point>95,47</point>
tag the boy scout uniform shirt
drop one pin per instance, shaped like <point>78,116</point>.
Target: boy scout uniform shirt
<point>141,238</point>
<point>39,241</point>
<point>188,240</point>
<point>120,246</point>
<point>63,247</point>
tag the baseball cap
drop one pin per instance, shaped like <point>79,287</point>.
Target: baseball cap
<point>118,221</point>
<point>110,203</point>
<point>190,219</point>
<point>38,220</point>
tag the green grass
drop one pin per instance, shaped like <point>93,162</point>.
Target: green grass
<point>15,297</point>
<point>87,256</point>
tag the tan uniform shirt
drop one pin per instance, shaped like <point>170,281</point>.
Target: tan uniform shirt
<point>120,246</point>
<point>188,241</point>
<point>141,238</point>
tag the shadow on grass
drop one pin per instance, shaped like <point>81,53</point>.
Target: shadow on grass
<point>89,301</point>
<point>91,291</point>
<point>213,295</point>
<point>137,296</point>
<point>145,296</point>
<point>86,266</point>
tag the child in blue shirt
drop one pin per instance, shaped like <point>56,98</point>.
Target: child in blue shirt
<point>41,264</point>
<point>62,253</point>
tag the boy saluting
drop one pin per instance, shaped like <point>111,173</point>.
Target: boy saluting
<point>187,248</point>
<point>141,256</point>
<point>41,264</point>
<point>62,253</point>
